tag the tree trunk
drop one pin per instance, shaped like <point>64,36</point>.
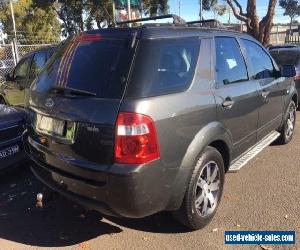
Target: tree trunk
<point>291,22</point>
<point>98,21</point>
<point>253,20</point>
<point>260,30</point>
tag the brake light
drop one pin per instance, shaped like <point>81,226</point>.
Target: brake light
<point>89,37</point>
<point>136,140</point>
<point>297,77</point>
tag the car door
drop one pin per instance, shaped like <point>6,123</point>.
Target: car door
<point>236,95</point>
<point>14,89</point>
<point>271,88</point>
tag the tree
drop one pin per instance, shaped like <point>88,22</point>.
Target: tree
<point>259,29</point>
<point>291,9</point>
<point>100,11</point>
<point>33,24</point>
<point>219,9</point>
<point>155,7</point>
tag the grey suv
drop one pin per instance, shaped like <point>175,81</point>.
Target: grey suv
<point>133,121</point>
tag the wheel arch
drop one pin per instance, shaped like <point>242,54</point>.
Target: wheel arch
<point>214,135</point>
<point>295,98</point>
<point>224,150</point>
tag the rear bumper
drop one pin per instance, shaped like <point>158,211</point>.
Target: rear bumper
<point>117,190</point>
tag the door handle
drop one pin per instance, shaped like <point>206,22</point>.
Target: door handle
<point>265,93</point>
<point>228,103</point>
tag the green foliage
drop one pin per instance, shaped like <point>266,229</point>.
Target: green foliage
<point>100,12</point>
<point>155,7</point>
<point>47,20</point>
<point>291,8</point>
<point>208,4</point>
<point>123,3</point>
<point>33,24</point>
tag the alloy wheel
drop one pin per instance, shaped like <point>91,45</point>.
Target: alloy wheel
<point>291,121</point>
<point>207,189</point>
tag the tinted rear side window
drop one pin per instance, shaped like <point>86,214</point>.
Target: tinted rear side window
<point>164,66</point>
<point>100,66</point>
<point>38,63</point>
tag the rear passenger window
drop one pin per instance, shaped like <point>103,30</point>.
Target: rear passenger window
<point>164,66</point>
<point>261,63</point>
<point>37,64</point>
<point>21,70</point>
<point>230,64</point>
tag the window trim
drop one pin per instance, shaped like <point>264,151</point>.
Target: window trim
<point>222,84</point>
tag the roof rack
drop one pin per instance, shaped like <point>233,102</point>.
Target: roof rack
<point>177,20</point>
<point>206,22</point>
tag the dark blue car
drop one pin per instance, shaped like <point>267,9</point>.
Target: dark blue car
<point>12,123</point>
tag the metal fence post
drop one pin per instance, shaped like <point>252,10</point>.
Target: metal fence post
<point>16,50</point>
<point>13,53</point>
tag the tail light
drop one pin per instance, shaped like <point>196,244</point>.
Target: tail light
<point>136,140</point>
<point>89,37</point>
<point>297,76</point>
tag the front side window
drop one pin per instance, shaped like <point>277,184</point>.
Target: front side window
<point>164,66</point>
<point>230,64</point>
<point>261,63</point>
<point>37,64</point>
<point>22,69</point>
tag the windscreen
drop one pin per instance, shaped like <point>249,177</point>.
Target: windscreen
<point>286,57</point>
<point>89,63</point>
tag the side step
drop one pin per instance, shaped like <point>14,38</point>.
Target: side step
<point>252,152</point>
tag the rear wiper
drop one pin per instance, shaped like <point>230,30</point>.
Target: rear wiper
<point>65,91</point>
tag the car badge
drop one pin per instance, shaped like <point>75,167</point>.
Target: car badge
<point>49,103</point>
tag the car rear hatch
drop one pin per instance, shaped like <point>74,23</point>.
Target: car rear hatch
<point>74,103</point>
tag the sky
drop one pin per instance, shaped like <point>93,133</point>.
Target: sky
<point>190,10</point>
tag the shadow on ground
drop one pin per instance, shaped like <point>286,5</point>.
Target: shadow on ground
<point>59,223</point>
<point>158,223</point>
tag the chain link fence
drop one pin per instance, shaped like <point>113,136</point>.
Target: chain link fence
<point>10,55</point>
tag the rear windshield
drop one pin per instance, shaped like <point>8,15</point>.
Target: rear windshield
<point>163,66</point>
<point>97,65</point>
<point>286,57</point>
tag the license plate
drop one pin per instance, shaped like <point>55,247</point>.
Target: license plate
<point>49,125</point>
<point>9,151</point>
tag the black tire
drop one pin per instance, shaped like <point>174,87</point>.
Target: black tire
<point>189,214</point>
<point>287,132</point>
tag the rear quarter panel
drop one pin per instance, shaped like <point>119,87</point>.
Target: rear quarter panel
<point>179,118</point>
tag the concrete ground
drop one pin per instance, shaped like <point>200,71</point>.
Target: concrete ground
<point>264,195</point>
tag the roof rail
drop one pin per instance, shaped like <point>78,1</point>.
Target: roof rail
<point>177,20</point>
<point>205,22</point>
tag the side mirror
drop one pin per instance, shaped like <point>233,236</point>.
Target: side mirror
<point>287,71</point>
